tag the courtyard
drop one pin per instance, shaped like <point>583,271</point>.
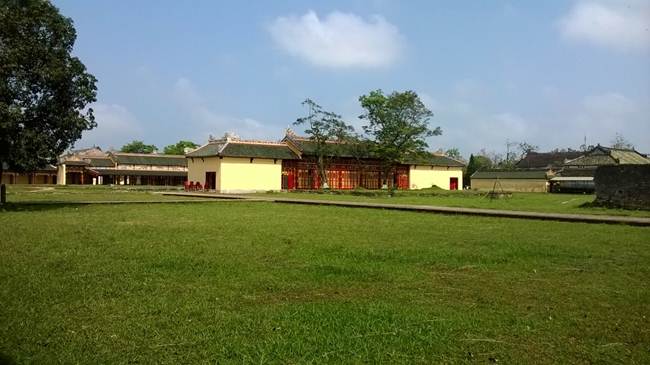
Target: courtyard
<point>238,281</point>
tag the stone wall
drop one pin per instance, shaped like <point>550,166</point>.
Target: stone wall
<point>625,186</point>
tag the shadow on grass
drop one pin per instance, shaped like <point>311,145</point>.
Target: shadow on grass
<point>36,207</point>
<point>6,359</point>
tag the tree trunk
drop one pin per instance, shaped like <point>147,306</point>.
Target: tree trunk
<point>323,173</point>
<point>3,188</point>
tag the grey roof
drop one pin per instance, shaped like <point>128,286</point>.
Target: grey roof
<point>122,158</point>
<point>603,156</point>
<point>343,149</point>
<point>434,160</point>
<point>244,149</point>
<point>124,172</point>
<point>546,159</point>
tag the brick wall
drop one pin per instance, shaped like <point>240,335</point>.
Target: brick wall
<point>625,186</point>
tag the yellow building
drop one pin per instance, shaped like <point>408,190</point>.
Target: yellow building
<point>231,165</point>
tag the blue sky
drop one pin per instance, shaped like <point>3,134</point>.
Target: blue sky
<point>546,72</point>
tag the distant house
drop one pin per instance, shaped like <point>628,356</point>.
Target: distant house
<point>45,175</point>
<point>577,175</point>
<point>234,165</point>
<point>557,171</point>
<point>96,167</point>
<point>530,180</point>
<point>607,156</point>
<point>546,160</point>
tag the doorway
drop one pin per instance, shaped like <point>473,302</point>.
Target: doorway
<point>453,183</point>
<point>210,180</point>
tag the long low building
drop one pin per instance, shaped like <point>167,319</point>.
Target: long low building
<point>234,165</point>
<point>96,167</point>
<point>44,176</point>
<point>536,181</point>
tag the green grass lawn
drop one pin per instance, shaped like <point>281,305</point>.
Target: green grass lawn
<point>534,202</point>
<point>246,282</point>
<point>76,193</point>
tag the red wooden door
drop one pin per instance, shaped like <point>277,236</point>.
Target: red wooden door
<point>453,183</point>
<point>291,180</point>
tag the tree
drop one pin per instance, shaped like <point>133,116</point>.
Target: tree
<point>474,164</point>
<point>328,132</point>
<point>454,153</point>
<point>620,142</point>
<point>138,147</point>
<point>44,90</point>
<point>398,125</point>
<point>179,148</point>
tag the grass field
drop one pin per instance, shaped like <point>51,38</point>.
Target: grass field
<point>76,193</point>
<point>534,202</point>
<point>246,282</point>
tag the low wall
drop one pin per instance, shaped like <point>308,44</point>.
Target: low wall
<point>513,185</point>
<point>625,186</point>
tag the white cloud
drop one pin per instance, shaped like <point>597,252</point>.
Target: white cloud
<point>204,121</point>
<point>339,40</point>
<point>115,123</point>
<point>618,25</point>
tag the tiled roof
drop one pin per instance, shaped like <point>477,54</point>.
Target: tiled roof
<point>509,174</point>
<point>434,160</point>
<point>100,162</point>
<point>602,156</point>
<point>308,148</point>
<point>125,172</point>
<point>546,159</point>
<point>244,149</point>
<point>279,151</point>
<point>148,159</point>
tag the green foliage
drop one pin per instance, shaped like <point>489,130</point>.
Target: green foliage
<point>328,131</point>
<point>454,153</point>
<point>44,90</point>
<point>476,163</point>
<point>179,148</point>
<point>397,124</point>
<point>138,147</point>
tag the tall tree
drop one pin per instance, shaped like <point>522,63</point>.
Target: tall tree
<point>179,148</point>
<point>398,125</point>
<point>44,90</point>
<point>474,164</point>
<point>138,147</point>
<point>328,131</point>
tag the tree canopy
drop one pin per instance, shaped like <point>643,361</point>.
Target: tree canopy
<point>138,147</point>
<point>397,124</point>
<point>454,153</point>
<point>324,128</point>
<point>44,90</point>
<point>179,148</point>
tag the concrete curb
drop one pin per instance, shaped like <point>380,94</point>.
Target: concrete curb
<point>579,218</point>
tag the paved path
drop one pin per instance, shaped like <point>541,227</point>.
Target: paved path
<point>584,218</point>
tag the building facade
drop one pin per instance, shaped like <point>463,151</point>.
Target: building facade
<point>93,166</point>
<point>231,165</point>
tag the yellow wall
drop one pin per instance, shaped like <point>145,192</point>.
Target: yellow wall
<point>524,185</point>
<point>196,169</point>
<point>421,177</point>
<point>242,175</point>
